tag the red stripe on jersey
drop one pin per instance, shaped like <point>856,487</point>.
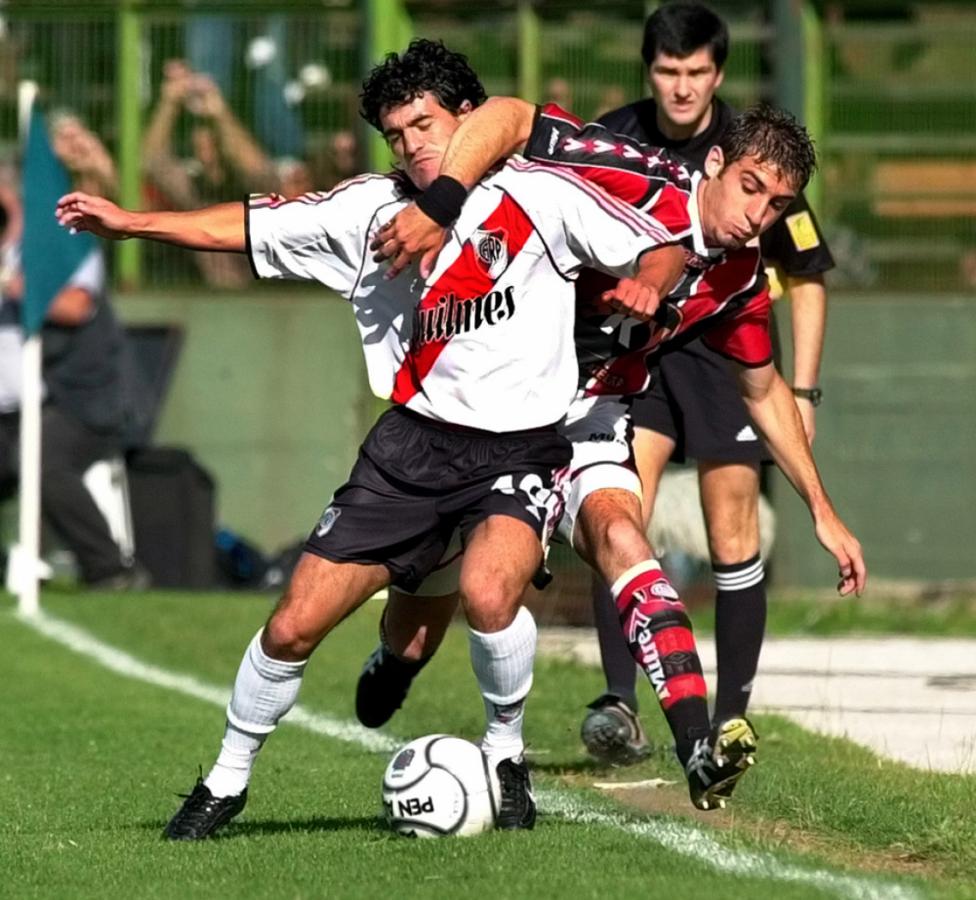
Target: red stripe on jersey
<point>617,207</point>
<point>744,335</point>
<point>730,277</point>
<point>631,187</point>
<point>555,111</point>
<point>266,201</point>
<point>670,208</point>
<point>466,277</point>
<point>620,376</point>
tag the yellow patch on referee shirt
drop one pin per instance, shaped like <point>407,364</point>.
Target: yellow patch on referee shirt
<point>803,231</point>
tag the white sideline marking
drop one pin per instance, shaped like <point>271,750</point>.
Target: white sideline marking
<point>677,837</point>
<point>81,641</point>
<point>690,841</point>
<point>632,785</point>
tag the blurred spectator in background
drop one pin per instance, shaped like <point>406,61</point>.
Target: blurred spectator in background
<point>84,416</point>
<point>559,91</point>
<point>336,160</point>
<point>293,177</point>
<point>214,47</point>
<point>227,161</point>
<point>345,155</point>
<point>83,154</point>
<point>612,97</point>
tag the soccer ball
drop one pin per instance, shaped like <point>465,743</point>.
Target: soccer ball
<point>439,785</point>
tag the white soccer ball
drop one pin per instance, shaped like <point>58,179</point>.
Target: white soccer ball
<point>439,785</point>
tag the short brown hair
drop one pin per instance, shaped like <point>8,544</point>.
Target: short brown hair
<point>772,136</point>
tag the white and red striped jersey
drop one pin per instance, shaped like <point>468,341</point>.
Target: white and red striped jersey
<point>487,341</point>
<point>722,296</point>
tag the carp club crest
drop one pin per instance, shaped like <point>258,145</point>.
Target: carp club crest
<point>491,250</point>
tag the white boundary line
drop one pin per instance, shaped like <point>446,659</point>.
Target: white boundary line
<point>122,663</point>
<point>686,840</point>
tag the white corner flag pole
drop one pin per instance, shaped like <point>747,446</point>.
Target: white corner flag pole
<point>29,549</point>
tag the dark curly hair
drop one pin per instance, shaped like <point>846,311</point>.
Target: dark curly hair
<point>425,66</point>
<point>773,136</point>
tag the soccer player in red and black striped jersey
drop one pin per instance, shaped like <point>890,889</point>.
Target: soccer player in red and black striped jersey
<point>693,410</point>
<point>761,164</point>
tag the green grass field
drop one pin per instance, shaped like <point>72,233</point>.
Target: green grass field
<point>93,759</point>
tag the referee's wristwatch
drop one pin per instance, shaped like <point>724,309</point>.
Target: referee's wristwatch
<point>813,394</point>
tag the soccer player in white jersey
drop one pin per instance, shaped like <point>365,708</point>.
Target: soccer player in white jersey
<point>480,364</point>
<point>761,164</point>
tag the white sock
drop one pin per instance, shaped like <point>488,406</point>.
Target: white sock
<point>264,690</point>
<point>502,663</point>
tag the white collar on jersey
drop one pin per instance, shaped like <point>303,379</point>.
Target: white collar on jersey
<point>695,216</point>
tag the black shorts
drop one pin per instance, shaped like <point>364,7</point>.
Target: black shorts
<point>417,481</point>
<point>695,401</point>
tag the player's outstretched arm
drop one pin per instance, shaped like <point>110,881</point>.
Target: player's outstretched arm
<point>496,129</point>
<point>219,227</point>
<point>771,407</point>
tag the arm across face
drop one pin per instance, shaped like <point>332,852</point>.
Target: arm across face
<point>505,125</point>
<point>491,132</point>
<point>495,130</point>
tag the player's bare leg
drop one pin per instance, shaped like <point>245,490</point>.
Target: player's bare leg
<point>500,557</point>
<point>414,627</point>
<point>615,732</point>
<point>321,594</point>
<point>612,731</point>
<point>411,630</point>
<point>730,502</point>
<point>610,535</point>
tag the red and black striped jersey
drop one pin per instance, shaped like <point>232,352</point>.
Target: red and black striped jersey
<point>722,296</point>
<point>794,243</point>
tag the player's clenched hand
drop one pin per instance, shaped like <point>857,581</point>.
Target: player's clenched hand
<point>409,235</point>
<point>632,297</point>
<point>83,212</point>
<point>846,549</point>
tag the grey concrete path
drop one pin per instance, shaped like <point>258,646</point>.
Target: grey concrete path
<point>912,700</point>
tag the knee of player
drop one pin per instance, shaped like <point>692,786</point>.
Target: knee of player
<point>288,637</point>
<point>489,606</point>
<point>621,535</point>
<point>734,547</point>
<point>733,538</point>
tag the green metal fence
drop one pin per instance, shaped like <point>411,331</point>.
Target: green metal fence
<point>892,100</point>
<point>900,150</point>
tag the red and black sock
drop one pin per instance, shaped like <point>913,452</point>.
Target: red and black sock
<point>659,635</point>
